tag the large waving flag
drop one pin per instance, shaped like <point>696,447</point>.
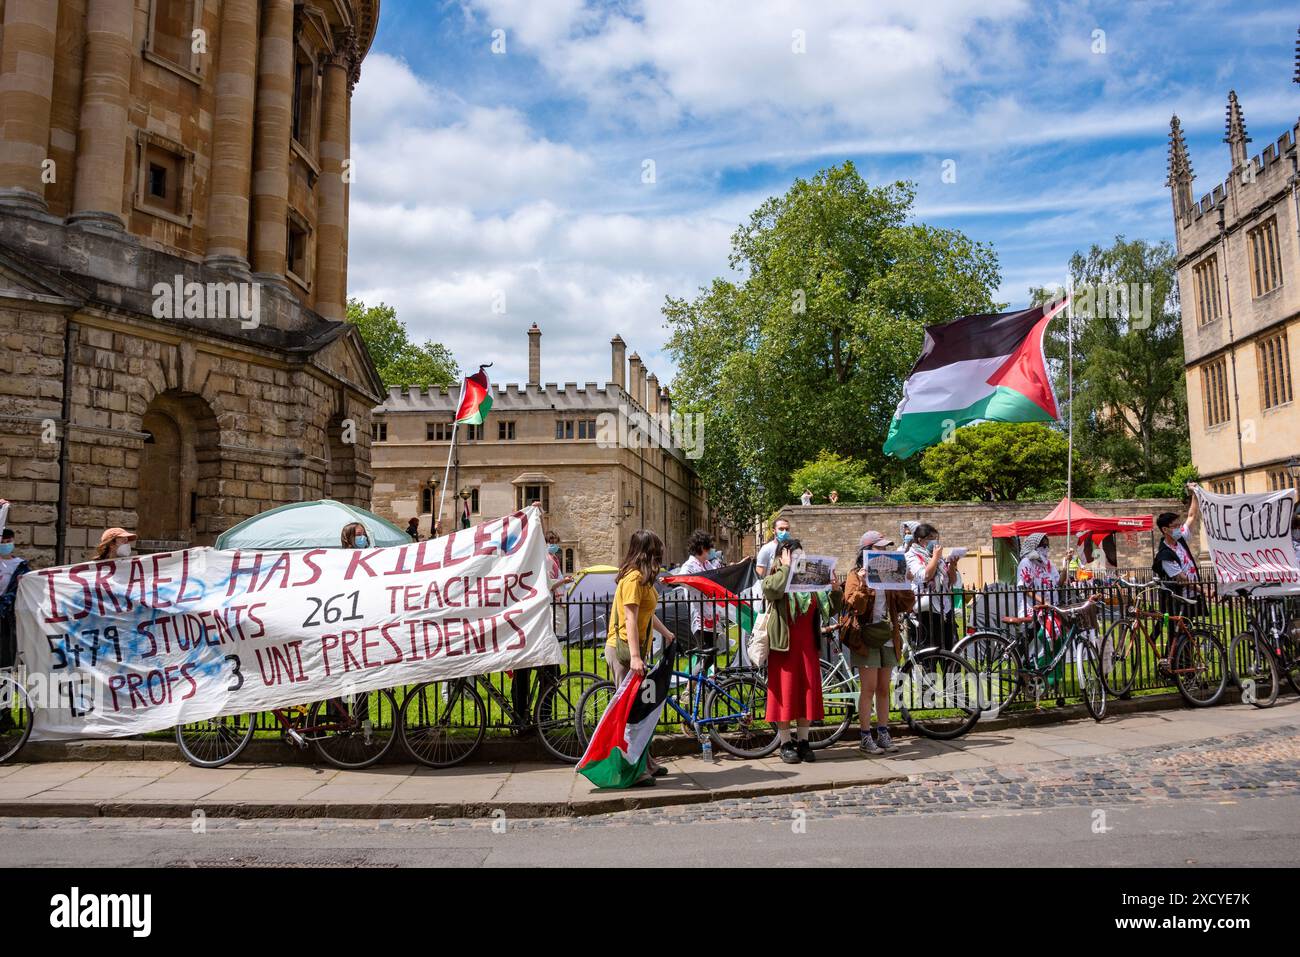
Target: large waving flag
<point>728,584</point>
<point>976,367</point>
<point>475,399</point>
<point>617,753</point>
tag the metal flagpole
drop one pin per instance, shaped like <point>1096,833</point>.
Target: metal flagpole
<point>455,426</point>
<point>1069,455</point>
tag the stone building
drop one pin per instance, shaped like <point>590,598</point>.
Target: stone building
<point>173,263</point>
<point>1239,279</point>
<point>580,450</point>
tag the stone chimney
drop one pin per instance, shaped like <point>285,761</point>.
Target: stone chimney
<point>636,379</point>
<point>618,362</point>
<point>535,356</point>
<point>652,393</point>
<point>665,401</point>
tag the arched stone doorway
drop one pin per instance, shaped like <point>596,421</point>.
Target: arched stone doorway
<point>180,471</point>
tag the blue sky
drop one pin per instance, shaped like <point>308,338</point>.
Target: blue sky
<point>498,189</point>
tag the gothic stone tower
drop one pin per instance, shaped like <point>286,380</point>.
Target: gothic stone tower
<point>173,266</point>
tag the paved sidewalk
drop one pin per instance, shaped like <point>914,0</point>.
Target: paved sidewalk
<point>174,789</point>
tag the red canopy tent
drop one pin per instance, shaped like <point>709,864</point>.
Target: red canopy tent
<point>1086,526</point>
<point>1080,520</point>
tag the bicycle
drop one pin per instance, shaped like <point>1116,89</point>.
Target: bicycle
<point>444,722</point>
<point>347,732</point>
<point>728,709</point>
<point>1194,656</point>
<point>1268,648</point>
<point>15,714</point>
<point>1008,664</point>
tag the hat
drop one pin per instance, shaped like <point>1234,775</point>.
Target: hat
<point>115,533</point>
<point>874,539</point>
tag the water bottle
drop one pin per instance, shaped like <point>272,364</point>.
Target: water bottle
<point>706,748</point>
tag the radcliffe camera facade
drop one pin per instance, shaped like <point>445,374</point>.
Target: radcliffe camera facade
<point>174,181</point>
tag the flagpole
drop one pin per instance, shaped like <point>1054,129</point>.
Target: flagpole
<point>455,426</point>
<point>1069,455</point>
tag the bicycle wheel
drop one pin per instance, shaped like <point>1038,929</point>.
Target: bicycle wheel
<point>215,741</point>
<point>741,703</point>
<point>839,702</point>
<point>1291,655</point>
<point>1200,668</point>
<point>354,730</point>
<point>997,665</point>
<point>15,717</point>
<point>938,694</point>
<point>556,714</point>
<point>1092,687</point>
<point>1254,670</point>
<point>442,722</point>
<point>591,707</point>
<point>1120,655</point>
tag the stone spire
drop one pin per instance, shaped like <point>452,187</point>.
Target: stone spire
<point>1180,169</point>
<point>1296,78</point>
<point>1236,137</point>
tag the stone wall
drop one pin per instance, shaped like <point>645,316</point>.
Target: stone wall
<point>836,529</point>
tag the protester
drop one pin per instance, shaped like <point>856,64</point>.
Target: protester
<point>933,579</point>
<point>114,543</point>
<point>794,677</point>
<point>354,535</point>
<point>1175,563</point>
<point>413,529</point>
<point>908,530</point>
<point>871,629</point>
<point>521,678</point>
<point>633,615</point>
<point>1295,537</point>
<point>1036,575</point>
<point>806,497</point>
<point>703,613</point>
<point>781,533</point>
<point>12,568</point>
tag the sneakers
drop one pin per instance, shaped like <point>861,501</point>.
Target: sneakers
<point>867,745</point>
<point>789,753</point>
<point>805,751</point>
<point>884,741</point>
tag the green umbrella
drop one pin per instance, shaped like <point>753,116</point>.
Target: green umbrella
<point>309,525</point>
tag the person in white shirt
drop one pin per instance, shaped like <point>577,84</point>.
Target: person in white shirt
<point>704,613</point>
<point>767,553</point>
<point>1036,576</point>
<point>806,497</point>
<point>933,578</point>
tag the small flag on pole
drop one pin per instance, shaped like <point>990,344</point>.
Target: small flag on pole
<point>475,399</point>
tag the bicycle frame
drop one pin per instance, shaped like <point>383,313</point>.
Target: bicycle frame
<point>698,684</point>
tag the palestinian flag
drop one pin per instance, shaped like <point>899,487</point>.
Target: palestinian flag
<point>988,367</point>
<point>475,400</point>
<point>735,585</point>
<point>617,753</point>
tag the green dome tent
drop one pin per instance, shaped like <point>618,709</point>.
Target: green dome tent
<point>309,525</point>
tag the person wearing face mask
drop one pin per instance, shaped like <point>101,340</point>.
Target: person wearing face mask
<point>1037,577</point>
<point>354,535</point>
<point>114,543</point>
<point>766,554</point>
<point>933,578</point>
<point>12,568</point>
<point>703,613</point>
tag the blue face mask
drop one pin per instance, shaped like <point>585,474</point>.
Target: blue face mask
<point>714,555</point>
<point>553,549</point>
<point>782,534</point>
<point>6,549</point>
<point>362,541</point>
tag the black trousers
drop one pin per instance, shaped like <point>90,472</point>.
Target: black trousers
<point>521,697</point>
<point>936,630</point>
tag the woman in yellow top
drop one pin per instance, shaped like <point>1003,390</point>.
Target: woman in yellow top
<point>633,613</point>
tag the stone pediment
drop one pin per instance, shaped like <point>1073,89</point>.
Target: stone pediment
<point>341,351</point>
<point>22,279</point>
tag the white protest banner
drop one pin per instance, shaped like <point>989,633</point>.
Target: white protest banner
<point>886,571</point>
<point>144,643</point>
<point>1250,539</point>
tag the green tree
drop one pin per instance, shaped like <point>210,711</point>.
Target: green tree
<point>1130,394</point>
<point>997,461</point>
<point>808,351</point>
<point>399,360</point>
<point>831,472</point>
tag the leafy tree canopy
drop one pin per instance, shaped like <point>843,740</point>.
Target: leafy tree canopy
<point>998,461</point>
<point>831,472</point>
<point>399,360</point>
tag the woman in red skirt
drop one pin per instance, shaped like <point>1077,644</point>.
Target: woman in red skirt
<point>794,678</point>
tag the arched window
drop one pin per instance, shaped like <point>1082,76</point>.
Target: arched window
<point>568,561</point>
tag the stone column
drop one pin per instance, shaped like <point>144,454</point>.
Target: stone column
<point>271,148</point>
<point>232,136</point>
<point>26,92</point>
<point>331,229</point>
<point>102,130</point>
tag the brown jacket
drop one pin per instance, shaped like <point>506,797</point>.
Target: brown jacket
<point>859,608</point>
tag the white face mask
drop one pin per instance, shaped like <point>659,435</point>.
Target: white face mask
<point>124,550</point>
<point>1042,552</point>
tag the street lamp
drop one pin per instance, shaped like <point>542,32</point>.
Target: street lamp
<point>628,508</point>
<point>1293,470</point>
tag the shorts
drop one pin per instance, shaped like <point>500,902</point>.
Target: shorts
<point>882,657</point>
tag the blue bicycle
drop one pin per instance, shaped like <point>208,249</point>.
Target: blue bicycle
<point>728,707</point>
